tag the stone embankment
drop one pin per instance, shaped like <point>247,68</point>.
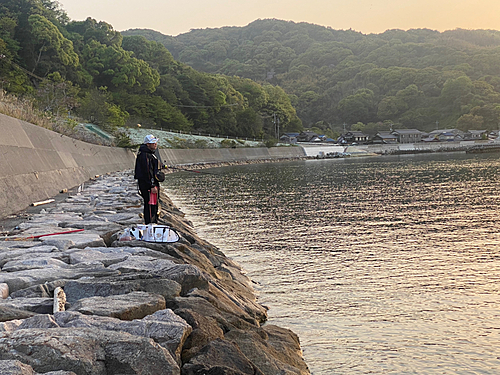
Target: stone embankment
<point>87,303</point>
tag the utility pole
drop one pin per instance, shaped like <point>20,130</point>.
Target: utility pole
<point>344,127</point>
<point>278,128</point>
<point>437,125</point>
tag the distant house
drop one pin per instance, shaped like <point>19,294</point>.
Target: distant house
<point>408,135</point>
<point>355,137</point>
<point>384,138</point>
<point>473,135</point>
<point>430,138</point>
<point>448,135</point>
<point>494,134</point>
<point>307,136</point>
<point>289,138</point>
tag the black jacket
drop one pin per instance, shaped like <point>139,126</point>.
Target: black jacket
<point>146,166</point>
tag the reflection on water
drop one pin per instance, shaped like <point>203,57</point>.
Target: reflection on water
<point>380,265</point>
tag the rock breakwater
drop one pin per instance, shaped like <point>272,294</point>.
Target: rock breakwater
<point>87,303</point>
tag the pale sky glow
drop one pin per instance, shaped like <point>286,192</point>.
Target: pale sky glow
<point>367,16</point>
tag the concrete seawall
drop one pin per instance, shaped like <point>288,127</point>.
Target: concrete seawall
<point>227,155</point>
<point>37,163</point>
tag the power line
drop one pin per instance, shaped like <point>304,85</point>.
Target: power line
<point>206,106</point>
<point>20,67</point>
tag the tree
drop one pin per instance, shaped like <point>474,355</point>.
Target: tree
<point>97,107</point>
<point>49,46</point>
<point>358,107</point>
<point>57,95</point>
<point>469,122</point>
<point>456,92</point>
<point>101,32</point>
<point>112,66</point>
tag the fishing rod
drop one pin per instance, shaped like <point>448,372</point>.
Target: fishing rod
<point>164,166</point>
<point>40,235</point>
<point>192,170</point>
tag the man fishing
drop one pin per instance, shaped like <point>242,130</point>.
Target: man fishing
<point>148,174</point>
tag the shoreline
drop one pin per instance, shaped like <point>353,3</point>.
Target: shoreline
<point>202,299</point>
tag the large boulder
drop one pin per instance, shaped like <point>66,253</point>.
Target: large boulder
<point>15,368</point>
<point>187,275</point>
<point>164,327</point>
<point>79,240</point>
<point>35,305</point>
<point>220,357</point>
<point>135,263</point>
<point>45,290</point>
<point>90,255</point>
<point>24,279</point>
<point>9,254</point>
<point>87,351</point>
<point>11,325</point>
<point>104,287</point>
<point>33,263</point>
<point>205,329</point>
<point>274,350</point>
<point>8,313</point>
<point>232,303</point>
<point>225,320</point>
<point>135,305</point>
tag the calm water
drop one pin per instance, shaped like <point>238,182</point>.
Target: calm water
<point>380,265</point>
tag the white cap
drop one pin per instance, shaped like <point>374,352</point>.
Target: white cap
<point>150,139</point>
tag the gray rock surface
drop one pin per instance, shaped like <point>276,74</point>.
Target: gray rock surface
<point>36,263</point>
<point>133,307</point>
<point>24,279</point>
<point>90,255</point>
<point>13,367</point>
<point>80,240</point>
<point>87,351</point>
<point>13,253</point>
<point>220,357</point>
<point>35,305</point>
<point>8,313</point>
<point>104,287</point>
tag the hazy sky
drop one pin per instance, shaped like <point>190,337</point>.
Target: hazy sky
<point>174,17</point>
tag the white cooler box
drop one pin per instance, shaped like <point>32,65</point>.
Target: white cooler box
<point>154,233</point>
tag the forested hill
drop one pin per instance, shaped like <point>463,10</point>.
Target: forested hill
<point>410,78</point>
<point>89,69</point>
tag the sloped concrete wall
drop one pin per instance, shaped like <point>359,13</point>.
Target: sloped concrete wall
<point>36,163</point>
<point>227,155</point>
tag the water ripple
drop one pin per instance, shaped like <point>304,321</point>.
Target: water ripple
<point>388,265</point>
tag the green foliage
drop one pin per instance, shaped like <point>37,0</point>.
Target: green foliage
<point>178,142</point>
<point>49,44</point>
<point>98,108</point>
<point>56,94</point>
<point>230,143</point>
<point>122,139</point>
<point>85,31</point>
<point>411,78</point>
<point>89,68</point>
<point>270,142</point>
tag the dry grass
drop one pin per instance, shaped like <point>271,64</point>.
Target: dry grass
<point>26,110</point>
<point>23,109</point>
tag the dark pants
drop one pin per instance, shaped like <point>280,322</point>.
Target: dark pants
<point>150,211</point>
